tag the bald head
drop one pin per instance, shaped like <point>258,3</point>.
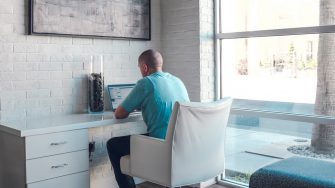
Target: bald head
<point>152,58</point>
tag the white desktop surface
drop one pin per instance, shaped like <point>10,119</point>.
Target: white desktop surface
<point>59,123</point>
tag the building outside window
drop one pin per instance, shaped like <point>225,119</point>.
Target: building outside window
<point>277,60</point>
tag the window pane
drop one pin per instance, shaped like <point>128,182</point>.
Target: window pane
<point>291,74</point>
<point>251,15</point>
<point>282,70</point>
<point>253,142</point>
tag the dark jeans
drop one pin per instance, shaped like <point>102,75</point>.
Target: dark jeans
<point>118,147</point>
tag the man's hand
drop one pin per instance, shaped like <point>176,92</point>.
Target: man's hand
<point>121,113</point>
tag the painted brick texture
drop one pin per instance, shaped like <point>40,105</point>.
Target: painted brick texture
<point>207,62</point>
<point>46,75</point>
<point>188,45</point>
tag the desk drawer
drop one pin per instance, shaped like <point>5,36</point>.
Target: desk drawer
<point>56,143</point>
<point>55,166</point>
<point>80,180</point>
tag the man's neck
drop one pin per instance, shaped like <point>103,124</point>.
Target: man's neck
<point>152,71</point>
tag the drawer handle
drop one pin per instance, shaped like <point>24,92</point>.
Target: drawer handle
<point>58,143</point>
<point>60,166</point>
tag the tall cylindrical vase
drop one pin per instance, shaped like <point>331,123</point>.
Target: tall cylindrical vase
<point>96,85</point>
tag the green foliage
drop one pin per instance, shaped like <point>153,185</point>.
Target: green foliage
<point>240,177</point>
<point>292,54</point>
<point>310,64</point>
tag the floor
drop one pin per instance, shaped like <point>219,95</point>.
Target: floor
<point>249,150</point>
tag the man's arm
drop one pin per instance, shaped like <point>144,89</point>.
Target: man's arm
<point>132,101</point>
<point>121,113</point>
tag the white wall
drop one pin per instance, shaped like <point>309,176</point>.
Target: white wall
<point>43,75</point>
<point>46,75</point>
<point>188,46</point>
<point>207,60</point>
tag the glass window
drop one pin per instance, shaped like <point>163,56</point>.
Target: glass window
<point>276,69</point>
<point>253,142</point>
<point>282,83</point>
<point>253,15</point>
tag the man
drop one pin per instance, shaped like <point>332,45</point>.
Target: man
<point>155,94</point>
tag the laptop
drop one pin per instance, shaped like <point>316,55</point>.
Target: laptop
<point>117,93</point>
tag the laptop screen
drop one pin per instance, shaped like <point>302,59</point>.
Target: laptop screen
<point>118,93</point>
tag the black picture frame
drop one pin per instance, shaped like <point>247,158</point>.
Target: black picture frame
<point>32,23</point>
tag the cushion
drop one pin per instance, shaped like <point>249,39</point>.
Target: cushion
<point>125,164</point>
<point>295,172</point>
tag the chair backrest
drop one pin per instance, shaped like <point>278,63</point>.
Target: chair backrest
<point>196,135</point>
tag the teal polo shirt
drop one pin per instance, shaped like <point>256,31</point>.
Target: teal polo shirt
<point>155,95</point>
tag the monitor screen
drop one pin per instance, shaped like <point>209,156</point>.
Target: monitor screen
<point>118,93</point>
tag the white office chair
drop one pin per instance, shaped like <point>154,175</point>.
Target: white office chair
<point>193,151</point>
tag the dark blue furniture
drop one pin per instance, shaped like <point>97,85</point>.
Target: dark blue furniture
<point>295,172</point>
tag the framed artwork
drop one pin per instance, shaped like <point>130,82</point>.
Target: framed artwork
<point>129,19</point>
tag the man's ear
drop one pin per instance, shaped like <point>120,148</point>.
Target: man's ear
<point>145,68</point>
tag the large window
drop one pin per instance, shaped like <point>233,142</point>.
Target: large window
<point>270,68</point>
<point>253,15</point>
<point>276,58</point>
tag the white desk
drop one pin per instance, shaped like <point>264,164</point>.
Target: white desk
<point>50,152</point>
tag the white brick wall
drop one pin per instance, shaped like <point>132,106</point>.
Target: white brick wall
<point>207,63</point>
<point>45,75</point>
<point>180,42</point>
<point>52,69</point>
<point>188,46</point>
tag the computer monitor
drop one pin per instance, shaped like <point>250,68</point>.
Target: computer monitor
<point>118,92</point>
